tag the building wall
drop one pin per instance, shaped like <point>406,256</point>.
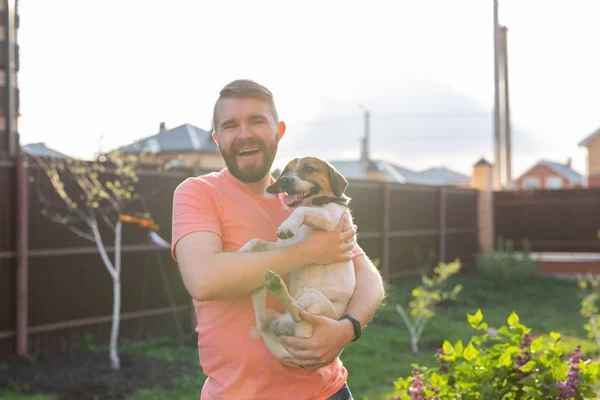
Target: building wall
<point>594,181</point>
<point>482,177</point>
<point>594,158</point>
<point>542,173</point>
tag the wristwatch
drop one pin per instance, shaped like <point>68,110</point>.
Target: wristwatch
<point>355,325</point>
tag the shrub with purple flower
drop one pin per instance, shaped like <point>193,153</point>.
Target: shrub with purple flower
<point>512,365</point>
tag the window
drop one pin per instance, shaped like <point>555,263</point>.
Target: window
<point>554,182</point>
<point>531,182</point>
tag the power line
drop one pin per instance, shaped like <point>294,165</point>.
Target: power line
<point>403,115</point>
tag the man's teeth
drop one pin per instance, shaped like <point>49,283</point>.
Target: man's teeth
<point>247,151</point>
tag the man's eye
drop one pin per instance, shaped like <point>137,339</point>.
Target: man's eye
<point>256,122</point>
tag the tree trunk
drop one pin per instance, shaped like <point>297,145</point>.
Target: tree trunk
<point>414,341</point>
<point>116,318</point>
<point>115,363</point>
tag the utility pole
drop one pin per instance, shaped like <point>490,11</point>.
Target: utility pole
<point>507,127</point>
<point>10,111</point>
<point>364,156</point>
<point>497,140</point>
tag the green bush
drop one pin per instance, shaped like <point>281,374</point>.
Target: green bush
<point>509,365</point>
<point>504,265</point>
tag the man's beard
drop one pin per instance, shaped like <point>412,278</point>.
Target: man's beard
<point>252,173</point>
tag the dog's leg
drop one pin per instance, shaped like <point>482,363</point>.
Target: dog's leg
<point>276,285</point>
<point>316,218</point>
<point>259,302</point>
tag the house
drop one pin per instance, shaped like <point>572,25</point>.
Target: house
<point>383,170</point>
<point>41,150</point>
<point>550,175</point>
<point>592,143</point>
<point>183,146</point>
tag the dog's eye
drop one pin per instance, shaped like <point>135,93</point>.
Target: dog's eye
<point>309,168</point>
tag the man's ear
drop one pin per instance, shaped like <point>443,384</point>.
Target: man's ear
<point>280,129</point>
<point>337,181</point>
<point>214,136</point>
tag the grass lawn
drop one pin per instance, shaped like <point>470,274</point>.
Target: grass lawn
<point>383,353</point>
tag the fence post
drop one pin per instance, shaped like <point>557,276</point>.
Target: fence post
<point>385,258</point>
<point>22,306</point>
<point>443,211</point>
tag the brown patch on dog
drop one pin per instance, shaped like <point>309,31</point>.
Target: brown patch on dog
<point>321,174</point>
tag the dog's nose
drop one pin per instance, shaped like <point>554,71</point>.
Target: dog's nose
<point>286,183</point>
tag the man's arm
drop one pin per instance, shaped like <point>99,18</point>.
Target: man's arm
<point>330,336</point>
<point>368,294</point>
<point>209,273</point>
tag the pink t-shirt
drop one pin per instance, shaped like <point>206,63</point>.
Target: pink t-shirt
<point>232,354</point>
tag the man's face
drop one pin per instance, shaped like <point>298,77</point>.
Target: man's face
<point>247,136</point>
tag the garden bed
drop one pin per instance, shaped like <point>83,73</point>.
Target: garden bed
<point>82,375</point>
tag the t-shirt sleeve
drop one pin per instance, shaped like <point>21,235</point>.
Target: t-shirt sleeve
<point>194,210</point>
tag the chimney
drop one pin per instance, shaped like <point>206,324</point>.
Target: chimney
<point>162,127</point>
<point>482,178</point>
<point>569,160</point>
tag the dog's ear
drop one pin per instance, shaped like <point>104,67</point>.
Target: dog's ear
<point>336,180</point>
<point>275,188</point>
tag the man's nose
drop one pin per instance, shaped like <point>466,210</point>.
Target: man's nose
<point>244,129</point>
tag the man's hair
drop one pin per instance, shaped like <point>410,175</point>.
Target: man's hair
<point>245,88</point>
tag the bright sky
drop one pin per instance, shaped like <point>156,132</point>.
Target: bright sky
<point>116,68</point>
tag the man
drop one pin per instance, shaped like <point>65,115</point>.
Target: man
<point>213,216</point>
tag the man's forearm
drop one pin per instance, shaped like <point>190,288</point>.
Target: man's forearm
<point>369,291</point>
<point>231,274</point>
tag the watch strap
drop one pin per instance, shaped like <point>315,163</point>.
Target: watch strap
<point>355,325</point>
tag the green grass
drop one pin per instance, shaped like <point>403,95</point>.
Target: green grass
<point>383,353</point>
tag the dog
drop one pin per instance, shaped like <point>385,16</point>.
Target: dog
<point>315,190</point>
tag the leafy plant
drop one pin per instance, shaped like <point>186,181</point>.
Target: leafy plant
<point>506,266</point>
<point>425,298</point>
<point>511,365</point>
<point>590,287</point>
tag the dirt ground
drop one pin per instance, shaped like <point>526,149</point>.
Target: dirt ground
<point>84,375</point>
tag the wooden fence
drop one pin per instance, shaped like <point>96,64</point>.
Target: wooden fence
<point>552,220</point>
<point>68,292</point>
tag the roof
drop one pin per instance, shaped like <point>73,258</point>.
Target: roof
<point>183,138</point>
<point>355,169</point>
<point>563,170</point>
<point>482,162</point>
<point>443,176</point>
<point>41,150</point>
<point>588,139</point>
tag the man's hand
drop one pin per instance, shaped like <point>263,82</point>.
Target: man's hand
<point>327,342</point>
<point>322,247</point>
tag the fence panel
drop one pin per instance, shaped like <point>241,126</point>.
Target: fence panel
<point>552,220</point>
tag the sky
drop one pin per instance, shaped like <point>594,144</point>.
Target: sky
<point>98,75</point>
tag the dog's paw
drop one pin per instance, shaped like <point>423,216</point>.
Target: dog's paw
<point>272,281</point>
<point>283,233</point>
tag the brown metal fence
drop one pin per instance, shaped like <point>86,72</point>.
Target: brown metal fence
<point>551,220</point>
<point>69,292</point>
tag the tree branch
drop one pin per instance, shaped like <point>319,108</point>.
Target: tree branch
<point>108,222</point>
<point>81,234</point>
<point>409,325</point>
<point>111,269</point>
<point>118,229</point>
